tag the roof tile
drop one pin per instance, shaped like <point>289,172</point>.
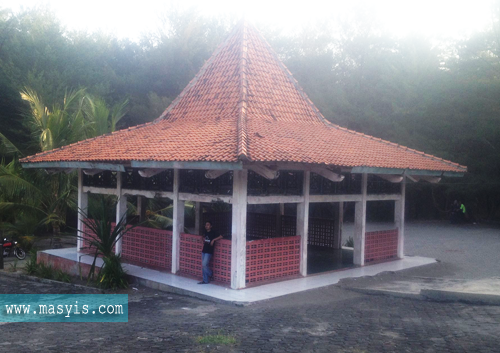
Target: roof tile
<point>245,105</point>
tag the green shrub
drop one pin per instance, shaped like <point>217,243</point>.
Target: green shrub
<point>112,275</point>
<point>26,242</point>
<point>45,271</point>
<point>349,243</point>
<point>62,276</point>
<point>31,267</point>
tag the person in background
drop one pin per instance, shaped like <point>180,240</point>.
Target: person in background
<point>463,212</point>
<point>208,250</point>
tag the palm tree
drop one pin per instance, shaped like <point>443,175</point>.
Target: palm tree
<point>57,127</point>
<point>33,198</point>
<point>26,195</point>
<point>101,119</point>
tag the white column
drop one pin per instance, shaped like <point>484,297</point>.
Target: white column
<point>278,220</point>
<point>399,218</point>
<point>178,224</point>
<point>360,224</point>
<point>303,223</point>
<point>83,202</point>
<point>141,208</point>
<point>339,223</point>
<point>197,218</point>
<point>121,209</point>
<point>239,229</point>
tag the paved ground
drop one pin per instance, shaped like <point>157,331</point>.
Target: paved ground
<point>329,319</point>
<point>466,251</point>
<point>325,320</point>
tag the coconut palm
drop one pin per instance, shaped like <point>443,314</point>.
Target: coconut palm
<point>30,199</point>
<point>26,195</point>
<point>59,126</point>
<point>101,119</point>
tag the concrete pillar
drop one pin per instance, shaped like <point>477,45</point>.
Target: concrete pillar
<point>121,209</point>
<point>197,218</point>
<point>339,223</point>
<point>178,224</point>
<point>360,224</point>
<point>399,219</point>
<point>83,204</point>
<point>303,223</point>
<point>141,208</point>
<point>278,220</point>
<point>239,229</point>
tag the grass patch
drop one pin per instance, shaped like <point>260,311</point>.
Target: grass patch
<point>218,339</point>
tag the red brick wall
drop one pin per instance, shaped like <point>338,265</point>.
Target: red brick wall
<point>381,245</point>
<point>148,247</point>
<point>142,246</point>
<point>190,258</point>
<point>68,266</point>
<point>273,258</point>
<point>266,259</point>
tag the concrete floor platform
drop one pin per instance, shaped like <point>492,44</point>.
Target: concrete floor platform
<point>169,282</point>
<point>482,291</point>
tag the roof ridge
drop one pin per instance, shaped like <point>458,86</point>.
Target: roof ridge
<point>195,78</point>
<point>292,79</point>
<point>241,126</point>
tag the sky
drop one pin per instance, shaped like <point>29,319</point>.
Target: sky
<point>127,19</point>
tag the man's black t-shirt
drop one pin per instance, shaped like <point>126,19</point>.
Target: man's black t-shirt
<point>209,236</point>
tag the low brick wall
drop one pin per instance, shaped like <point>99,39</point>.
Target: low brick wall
<point>272,258</point>
<point>148,247</point>
<point>68,266</point>
<point>142,246</point>
<point>381,245</point>
<point>190,257</point>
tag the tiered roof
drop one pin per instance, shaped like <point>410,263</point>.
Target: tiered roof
<point>245,106</point>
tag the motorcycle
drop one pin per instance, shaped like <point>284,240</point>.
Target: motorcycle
<point>10,247</point>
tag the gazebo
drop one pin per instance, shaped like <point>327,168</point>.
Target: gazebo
<point>243,132</point>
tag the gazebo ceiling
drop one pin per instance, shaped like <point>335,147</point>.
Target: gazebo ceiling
<point>243,106</point>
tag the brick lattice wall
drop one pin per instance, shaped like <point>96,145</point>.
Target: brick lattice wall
<point>148,247</point>
<point>381,245</point>
<point>190,258</point>
<point>273,258</point>
<point>142,246</point>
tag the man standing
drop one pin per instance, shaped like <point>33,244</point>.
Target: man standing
<point>208,250</point>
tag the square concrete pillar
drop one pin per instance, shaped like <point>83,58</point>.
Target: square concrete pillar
<point>178,224</point>
<point>360,224</point>
<point>83,204</point>
<point>338,224</point>
<point>197,218</point>
<point>121,209</point>
<point>303,222</point>
<point>239,229</point>
<point>399,218</point>
<point>141,207</point>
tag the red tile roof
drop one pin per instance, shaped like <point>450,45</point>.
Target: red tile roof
<point>244,105</point>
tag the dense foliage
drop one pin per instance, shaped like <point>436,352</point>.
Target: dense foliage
<point>440,97</point>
